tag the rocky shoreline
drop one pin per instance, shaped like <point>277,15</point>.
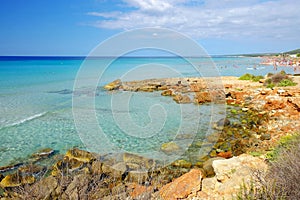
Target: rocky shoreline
<point>256,118</point>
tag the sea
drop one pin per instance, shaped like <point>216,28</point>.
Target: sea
<point>38,96</point>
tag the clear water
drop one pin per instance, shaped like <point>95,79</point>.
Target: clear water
<point>36,104</point>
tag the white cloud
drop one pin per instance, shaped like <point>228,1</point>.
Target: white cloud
<point>209,18</point>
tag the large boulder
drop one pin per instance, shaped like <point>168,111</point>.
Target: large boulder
<point>182,187</point>
<point>231,174</point>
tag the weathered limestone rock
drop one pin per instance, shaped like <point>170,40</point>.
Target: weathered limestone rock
<point>78,187</point>
<point>16,179</point>
<point>80,155</point>
<point>113,85</point>
<point>183,186</point>
<point>45,188</point>
<point>137,176</point>
<point>230,175</point>
<point>115,171</point>
<point>207,166</point>
<point>202,97</point>
<point>140,191</point>
<point>97,167</point>
<point>167,93</point>
<point>179,98</point>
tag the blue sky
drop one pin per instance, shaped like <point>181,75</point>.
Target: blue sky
<point>75,27</point>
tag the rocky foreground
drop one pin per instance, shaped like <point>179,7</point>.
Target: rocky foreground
<point>256,118</point>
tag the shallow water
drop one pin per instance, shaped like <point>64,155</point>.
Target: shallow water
<point>36,104</point>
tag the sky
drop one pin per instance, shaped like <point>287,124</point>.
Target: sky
<point>76,27</point>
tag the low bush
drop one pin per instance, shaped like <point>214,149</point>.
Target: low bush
<point>280,79</point>
<point>246,77</point>
<point>286,82</point>
<point>281,180</point>
<point>251,77</point>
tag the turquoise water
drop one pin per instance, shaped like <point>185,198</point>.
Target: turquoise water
<point>36,103</point>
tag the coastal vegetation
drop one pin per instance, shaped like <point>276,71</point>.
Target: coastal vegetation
<point>280,182</point>
<point>251,77</point>
<point>280,79</point>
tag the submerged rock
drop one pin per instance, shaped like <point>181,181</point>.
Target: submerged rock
<point>143,162</point>
<point>182,163</point>
<point>170,148</point>
<point>44,153</point>
<point>219,125</point>
<point>10,167</point>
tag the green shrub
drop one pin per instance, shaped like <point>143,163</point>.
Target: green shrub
<point>246,77</point>
<point>250,77</point>
<point>286,82</point>
<point>270,85</point>
<point>257,78</point>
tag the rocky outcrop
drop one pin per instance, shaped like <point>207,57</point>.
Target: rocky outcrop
<point>182,187</point>
<point>80,155</point>
<point>115,85</point>
<point>230,174</point>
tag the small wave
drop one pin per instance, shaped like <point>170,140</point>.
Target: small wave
<point>26,119</point>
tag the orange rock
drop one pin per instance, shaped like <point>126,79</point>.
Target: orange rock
<point>230,101</point>
<point>197,87</point>
<point>238,95</point>
<point>139,190</point>
<point>274,105</point>
<point>183,186</point>
<point>226,155</point>
<point>182,99</point>
<point>202,97</point>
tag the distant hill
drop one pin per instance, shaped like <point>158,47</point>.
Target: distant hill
<point>293,51</point>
